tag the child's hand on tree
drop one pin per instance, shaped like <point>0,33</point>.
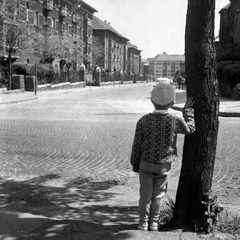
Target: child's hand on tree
<point>189,103</point>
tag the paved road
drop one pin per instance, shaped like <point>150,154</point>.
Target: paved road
<point>86,135</point>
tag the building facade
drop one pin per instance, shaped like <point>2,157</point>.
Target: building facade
<point>134,59</point>
<point>164,65</point>
<point>229,32</point>
<point>113,56</point>
<point>145,67</point>
<point>68,17</point>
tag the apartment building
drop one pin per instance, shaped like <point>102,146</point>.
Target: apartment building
<point>145,67</point>
<point>114,45</point>
<point>229,33</point>
<point>165,65</point>
<point>134,59</point>
<point>68,17</point>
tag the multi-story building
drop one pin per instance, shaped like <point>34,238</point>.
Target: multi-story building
<point>229,33</point>
<point>113,44</point>
<point>63,17</point>
<point>134,59</point>
<point>164,65</point>
<point>145,67</point>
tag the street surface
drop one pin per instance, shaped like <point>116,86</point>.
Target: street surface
<point>85,135</point>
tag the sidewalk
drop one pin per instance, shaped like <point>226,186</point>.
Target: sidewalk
<point>113,218</point>
<point>106,219</point>
<point>228,107</point>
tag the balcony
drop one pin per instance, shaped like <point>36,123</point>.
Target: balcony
<point>48,5</point>
<point>63,12</point>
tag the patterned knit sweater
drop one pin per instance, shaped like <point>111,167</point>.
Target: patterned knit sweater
<point>155,137</point>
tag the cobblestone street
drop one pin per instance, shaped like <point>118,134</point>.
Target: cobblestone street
<point>87,136</point>
<point>83,138</point>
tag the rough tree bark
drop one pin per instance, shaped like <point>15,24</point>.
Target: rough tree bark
<point>200,148</point>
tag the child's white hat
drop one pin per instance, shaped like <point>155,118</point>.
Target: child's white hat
<point>163,93</point>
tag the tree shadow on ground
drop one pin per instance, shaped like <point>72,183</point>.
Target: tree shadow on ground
<point>72,229</point>
<point>71,207</point>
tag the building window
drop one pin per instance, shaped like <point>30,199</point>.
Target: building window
<point>22,13</point>
<point>57,25</point>
<point>65,5</point>
<point>69,10</point>
<point>74,29</point>
<point>54,22</point>
<point>63,27</point>
<point>40,20</point>
<point>80,32</point>
<point>89,32</point>
<point>70,29</point>
<point>36,19</point>
<point>66,28</point>
<point>30,16</point>
<point>56,4</point>
<point>50,22</point>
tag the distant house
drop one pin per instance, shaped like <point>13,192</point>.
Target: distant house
<point>229,32</point>
<point>114,45</point>
<point>165,65</point>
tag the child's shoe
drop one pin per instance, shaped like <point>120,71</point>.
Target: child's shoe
<point>143,226</point>
<point>153,226</point>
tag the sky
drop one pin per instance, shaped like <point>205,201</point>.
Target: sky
<point>154,26</point>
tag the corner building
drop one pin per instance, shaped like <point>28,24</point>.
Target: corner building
<point>71,17</point>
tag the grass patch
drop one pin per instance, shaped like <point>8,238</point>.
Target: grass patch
<point>228,223</point>
<point>166,215</point>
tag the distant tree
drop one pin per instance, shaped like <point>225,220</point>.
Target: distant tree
<point>13,33</point>
<point>68,49</point>
<point>48,45</point>
<point>45,45</point>
<point>195,205</point>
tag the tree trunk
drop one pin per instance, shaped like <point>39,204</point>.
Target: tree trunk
<point>200,148</point>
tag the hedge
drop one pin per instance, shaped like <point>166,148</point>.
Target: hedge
<point>228,73</point>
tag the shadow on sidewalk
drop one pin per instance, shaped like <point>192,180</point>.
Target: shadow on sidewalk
<point>62,212</point>
<point>73,229</point>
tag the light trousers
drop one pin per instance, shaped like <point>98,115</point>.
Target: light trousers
<point>153,186</point>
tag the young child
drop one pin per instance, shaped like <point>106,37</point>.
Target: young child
<point>154,149</point>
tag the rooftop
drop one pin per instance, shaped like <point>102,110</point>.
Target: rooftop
<point>87,6</point>
<point>98,24</point>
<point>168,57</point>
<point>130,45</point>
